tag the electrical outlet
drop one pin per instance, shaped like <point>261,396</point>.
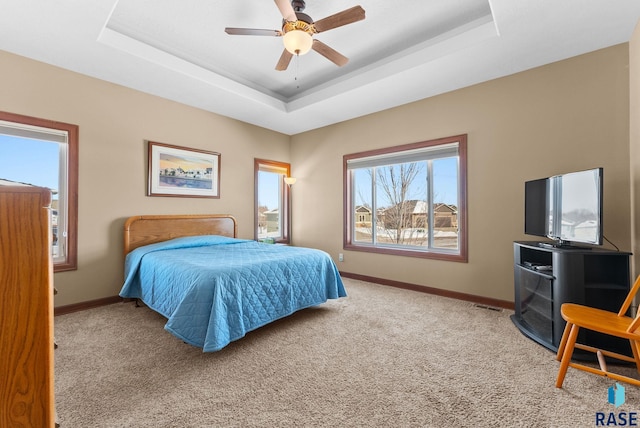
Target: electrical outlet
<point>340,257</point>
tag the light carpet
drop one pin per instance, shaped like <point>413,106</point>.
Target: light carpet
<point>382,357</point>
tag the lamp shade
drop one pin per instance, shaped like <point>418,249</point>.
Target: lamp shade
<point>297,42</point>
<point>290,180</point>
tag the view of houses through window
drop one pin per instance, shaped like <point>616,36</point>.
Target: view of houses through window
<point>34,162</point>
<point>403,208</point>
<point>43,156</point>
<point>269,205</point>
<point>272,207</point>
<point>405,198</point>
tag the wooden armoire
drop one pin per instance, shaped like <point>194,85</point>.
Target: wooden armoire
<point>26,308</point>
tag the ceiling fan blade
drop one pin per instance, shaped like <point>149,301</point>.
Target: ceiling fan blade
<point>286,10</point>
<point>329,53</point>
<point>251,32</point>
<point>345,17</point>
<point>284,60</point>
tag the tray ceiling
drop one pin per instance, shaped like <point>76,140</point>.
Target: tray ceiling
<point>402,52</point>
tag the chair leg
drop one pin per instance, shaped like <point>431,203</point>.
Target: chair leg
<point>563,341</point>
<point>567,354</point>
<point>636,353</point>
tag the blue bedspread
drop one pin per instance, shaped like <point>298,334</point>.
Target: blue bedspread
<point>215,289</point>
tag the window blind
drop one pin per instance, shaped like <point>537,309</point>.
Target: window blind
<point>406,156</point>
<point>33,132</point>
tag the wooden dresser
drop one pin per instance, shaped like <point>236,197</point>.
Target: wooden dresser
<point>26,308</point>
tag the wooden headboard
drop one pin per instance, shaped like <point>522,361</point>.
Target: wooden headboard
<point>148,229</point>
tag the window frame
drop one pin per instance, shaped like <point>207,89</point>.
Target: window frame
<point>432,253</point>
<point>285,197</point>
<point>70,261</point>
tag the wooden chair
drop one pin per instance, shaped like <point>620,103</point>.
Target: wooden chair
<point>609,323</point>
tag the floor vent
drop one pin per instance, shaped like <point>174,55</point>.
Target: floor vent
<point>491,308</point>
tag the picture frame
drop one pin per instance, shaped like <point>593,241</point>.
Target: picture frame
<point>182,172</point>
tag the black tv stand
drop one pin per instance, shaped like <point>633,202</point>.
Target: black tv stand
<point>545,277</point>
<point>564,245</point>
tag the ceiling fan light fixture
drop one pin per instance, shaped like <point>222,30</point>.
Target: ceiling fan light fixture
<point>297,42</point>
<point>298,30</point>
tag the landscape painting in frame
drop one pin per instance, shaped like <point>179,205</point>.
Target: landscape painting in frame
<point>181,171</point>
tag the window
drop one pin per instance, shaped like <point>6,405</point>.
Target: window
<point>408,200</point>
<point>272,215</point>
<point>45,153</point>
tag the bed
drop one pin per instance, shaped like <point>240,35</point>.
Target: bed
<point>212,287</point>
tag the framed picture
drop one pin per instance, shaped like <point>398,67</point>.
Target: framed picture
<point>183,172</point>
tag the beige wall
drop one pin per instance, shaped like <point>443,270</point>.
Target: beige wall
<point>562,117</point>
<point>114,123</point>
<point>566,116</point>
<point>634,137</point>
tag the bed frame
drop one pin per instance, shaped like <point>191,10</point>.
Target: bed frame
<point>148,229</point>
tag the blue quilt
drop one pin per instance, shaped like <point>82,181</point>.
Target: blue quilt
<point>215,289</point>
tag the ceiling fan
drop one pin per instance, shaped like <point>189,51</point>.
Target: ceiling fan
<point>298,29</point>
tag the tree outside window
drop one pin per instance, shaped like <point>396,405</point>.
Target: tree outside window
<point>408,200</point>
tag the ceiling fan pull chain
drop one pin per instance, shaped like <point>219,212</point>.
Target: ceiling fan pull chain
<point>297,71</point>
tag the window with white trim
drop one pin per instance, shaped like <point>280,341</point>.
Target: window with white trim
<point>408,200</point>
<point>44,153</point>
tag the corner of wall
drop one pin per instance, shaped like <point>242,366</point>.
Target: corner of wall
<point>634,144</point>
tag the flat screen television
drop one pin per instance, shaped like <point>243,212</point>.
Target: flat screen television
<point>566,208</point>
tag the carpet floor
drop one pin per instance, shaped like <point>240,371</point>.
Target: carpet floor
<point>381,357</point>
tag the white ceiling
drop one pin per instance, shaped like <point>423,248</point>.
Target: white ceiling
<point>404,50</point>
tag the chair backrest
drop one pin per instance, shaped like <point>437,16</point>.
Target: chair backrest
<point>627,303</point>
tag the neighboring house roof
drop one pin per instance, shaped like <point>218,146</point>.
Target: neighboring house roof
<point>419,207</point>
<point>363,209</point>
<point>415,206</point>
<point>440,207</point>
<point>5,182</point>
